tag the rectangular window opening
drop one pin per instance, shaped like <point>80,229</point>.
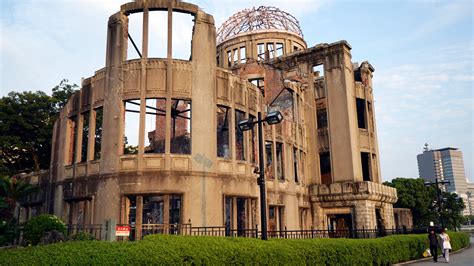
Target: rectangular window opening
<point>243,56</point>
<point>261,51</point>
<point>322,118</point>
<point>181,126</point>
<point>365,160</point>
<point>99,116</point>
<point>131,126</point>
<point>325,167</point>
<point>229,58</point>
<point>135,36</point>
<point>280,161</point>
<point>279,49</point>
<point>239,136</point>
<point>72,139</point>
<point>270,50</point>
<point>253,142</point>
<point>361,119</point>
<point>235,60</point>
<point>295,164</point>
<point>318,71</point>
<point>157,34</point>
<point>269,157</point>
<point>183,27</point>
<point>259,83</point>
<point>155,123</point>
<point>85,136</point>
<point>223,147</point>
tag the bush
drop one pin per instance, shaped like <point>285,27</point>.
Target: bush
<point>39,225</point>
<point>172,250</point>
<point>81,236</point>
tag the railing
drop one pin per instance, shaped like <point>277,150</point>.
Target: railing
<point>92,229</point>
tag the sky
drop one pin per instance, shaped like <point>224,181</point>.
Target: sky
<point>422,52</point>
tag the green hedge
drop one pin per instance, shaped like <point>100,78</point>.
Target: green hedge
<point>171,250</point>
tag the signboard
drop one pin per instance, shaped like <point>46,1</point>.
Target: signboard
<point>122,230</point>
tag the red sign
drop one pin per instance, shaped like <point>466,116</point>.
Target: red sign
<point>122,230</point>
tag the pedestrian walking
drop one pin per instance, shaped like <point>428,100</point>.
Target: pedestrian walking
<point>445,244</point>
<point>433,244</point>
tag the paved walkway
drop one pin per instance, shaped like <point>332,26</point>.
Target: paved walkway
<point>465,257</point>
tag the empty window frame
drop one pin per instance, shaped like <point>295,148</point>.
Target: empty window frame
<point>295,48</point>
<point>276,219</point>
<point>285,104</point>
<point>72,139</point>
<point>229,58</point>
<point>243,56</point>
<point>322,118</point>
<point>318,70</point>
<point>183,25</point>
<point>180,126</point>
<point>223,140</point>
<point>295,163</point>
<point>261,51</point>
<point>131,126</point>
<point>158,34</point>
<point>239,215</point>
<point>365,161</point>
<point>235,60</point>
<point>371,115</point>
<point>253,142</point>
<point>85,136</point>
<point>260,83</point>
<point>218,60</point>
<point>269,158</point>
<point>99,117</point>
<point>270,50</point>
<point>155,123</point>
<point>325,167</point>
<point>279,49</point>
<point>361,119</point>
<point>135,35</point>
<point>280,161</point>
<point>239,136</point>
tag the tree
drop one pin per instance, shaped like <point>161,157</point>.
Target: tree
<point>26,125</point>
<point>414,195</point>
<point>12,190</point>
<point>422,200</point>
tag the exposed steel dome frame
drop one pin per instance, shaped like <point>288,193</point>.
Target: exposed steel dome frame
<point>258,19</point>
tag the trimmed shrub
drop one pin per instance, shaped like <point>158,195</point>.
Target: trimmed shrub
<point>172,250</point>
<point>81,236</point>
<point>39,225</point>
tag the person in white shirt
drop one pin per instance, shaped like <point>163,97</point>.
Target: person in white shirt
<point>445,244</point>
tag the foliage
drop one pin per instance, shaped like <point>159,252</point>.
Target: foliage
<point>176,250</point>
<point>414,195</point>
<point>39,225</point>
<point>13,190</point>
<point>81,236</point>
<point>8,231</point>
<point>452,210</point>
<point>26,126</point>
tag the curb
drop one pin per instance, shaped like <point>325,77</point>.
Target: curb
<point>429,258</point>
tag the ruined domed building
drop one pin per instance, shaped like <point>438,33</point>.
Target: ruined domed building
<point>154,140</point>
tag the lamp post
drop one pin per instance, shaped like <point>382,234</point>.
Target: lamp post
<point>438,194</point>
<point>244,125</point>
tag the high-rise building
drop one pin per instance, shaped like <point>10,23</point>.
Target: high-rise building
<point>445,164</point>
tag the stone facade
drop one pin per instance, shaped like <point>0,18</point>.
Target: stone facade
<point>198,167</point>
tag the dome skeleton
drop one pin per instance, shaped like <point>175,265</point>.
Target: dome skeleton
<point>257,19</point>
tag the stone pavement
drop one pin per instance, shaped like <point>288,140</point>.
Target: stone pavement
<point>465,257</point>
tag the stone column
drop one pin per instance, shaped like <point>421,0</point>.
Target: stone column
<point>364,215</point>
<point>387,215</point>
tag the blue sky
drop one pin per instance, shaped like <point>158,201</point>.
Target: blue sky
<point>422,52</point>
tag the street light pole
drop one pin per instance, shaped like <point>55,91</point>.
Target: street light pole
<point>261,178</point>
<point>438,194</point>
<point>272,118</point>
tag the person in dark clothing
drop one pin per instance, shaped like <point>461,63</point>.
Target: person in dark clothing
<point>433,244</point>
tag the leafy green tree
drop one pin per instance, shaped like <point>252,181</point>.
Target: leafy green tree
<point>26,125</point>
<point>422,200</point>
<point>452,207</point>
<point>414,195</point>
<point>12,190</point>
